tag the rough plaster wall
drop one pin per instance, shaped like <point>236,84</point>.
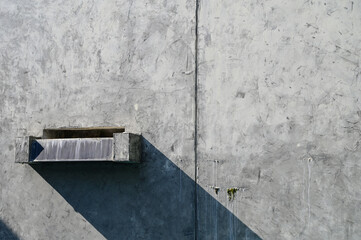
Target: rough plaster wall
<point>279,115</point>
<point>278,118</point>
<point>99,63</point>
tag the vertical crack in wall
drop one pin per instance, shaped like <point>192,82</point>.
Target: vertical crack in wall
<point>196,124</point>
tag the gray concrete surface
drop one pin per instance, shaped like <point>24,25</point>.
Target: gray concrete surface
<point>99,63</point>
<point>279,115</point>
<point>278,122</point>
<point>127,147</point>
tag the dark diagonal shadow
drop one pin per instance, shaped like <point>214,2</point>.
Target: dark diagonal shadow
<point>151,200</point>
<point>6,233</point>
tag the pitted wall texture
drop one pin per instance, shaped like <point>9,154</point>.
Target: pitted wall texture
<point>99,63</point>
<point>279,114</point>
<point>278,118</point>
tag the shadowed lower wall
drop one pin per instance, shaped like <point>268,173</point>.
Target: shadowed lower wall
<point>121,202</point>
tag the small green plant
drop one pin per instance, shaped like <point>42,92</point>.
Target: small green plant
<point>231,192</point>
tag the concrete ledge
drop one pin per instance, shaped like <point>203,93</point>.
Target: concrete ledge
<point>22,148</point>
<point>127,147</point>
<point>122,147</point>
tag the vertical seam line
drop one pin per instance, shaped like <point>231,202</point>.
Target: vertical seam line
<point>196,124</point>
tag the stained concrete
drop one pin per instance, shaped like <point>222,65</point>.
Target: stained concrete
<point>99,63</point>
<point>279,115</point>
<point>277,118</point>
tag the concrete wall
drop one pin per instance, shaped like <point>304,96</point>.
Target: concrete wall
<point>276,95</point>
<point>99,63</point>
<point>279,114</point>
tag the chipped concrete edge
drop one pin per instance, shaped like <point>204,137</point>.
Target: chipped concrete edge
<point>127,147</point>
<point>22,148</point>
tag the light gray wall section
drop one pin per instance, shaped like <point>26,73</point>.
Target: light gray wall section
<point>99,63</point>
<point>279,115</point>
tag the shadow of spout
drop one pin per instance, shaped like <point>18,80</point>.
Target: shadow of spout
<point>150,200</point>
<point>6,233</point>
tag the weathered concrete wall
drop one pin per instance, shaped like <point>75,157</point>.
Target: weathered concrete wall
<point>99,63</point>
<point>278,118</point>
<point>279,114</point>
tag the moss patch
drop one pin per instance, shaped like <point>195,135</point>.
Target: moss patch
<point>231,192</point>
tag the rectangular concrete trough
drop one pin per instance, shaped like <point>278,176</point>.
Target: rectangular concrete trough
<point>122,147</point>
<point>75,149</point>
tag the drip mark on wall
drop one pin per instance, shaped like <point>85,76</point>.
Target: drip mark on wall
<point>215,176</point>
<point>309,161</point>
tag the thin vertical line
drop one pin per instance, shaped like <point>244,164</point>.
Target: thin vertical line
<point>196,125</point>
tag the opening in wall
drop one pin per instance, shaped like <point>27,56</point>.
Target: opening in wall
<point>93,132</point>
